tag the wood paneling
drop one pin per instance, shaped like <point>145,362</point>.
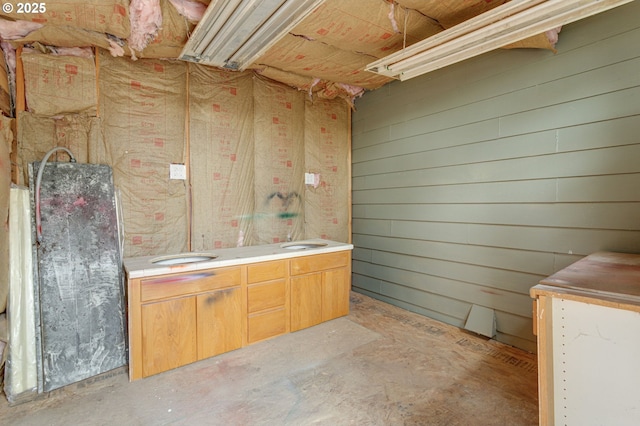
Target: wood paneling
<point>472,182</point>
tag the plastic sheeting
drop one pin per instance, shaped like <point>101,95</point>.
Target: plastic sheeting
<point>21,376</point>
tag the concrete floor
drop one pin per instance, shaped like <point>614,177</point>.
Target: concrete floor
<point>381,365</point>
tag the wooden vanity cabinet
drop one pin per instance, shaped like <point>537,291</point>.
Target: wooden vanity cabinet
<point>183,318</point>
<point>267,300</point>
<point>320,287</point>
<point>177,319</point>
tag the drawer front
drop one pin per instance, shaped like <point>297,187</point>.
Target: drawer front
<point>265,325</point>
<point>320,262</point>
<point>266,296</point>
<point>266,271</point>
<point>188,283</point>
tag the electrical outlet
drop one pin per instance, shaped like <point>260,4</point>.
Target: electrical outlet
<point>309,178</point>
<point>177,171</point>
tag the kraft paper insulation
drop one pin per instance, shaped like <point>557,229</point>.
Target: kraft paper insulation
<point>371,27</point>
<point>37,134</point>
<point>171,37</point>
<point>143,106</point>
<point>279,162</point>
<point>327,156</point>
<point>331,46</point>
<point>325,62</point>
<point>104,16</point>
<point>59,84</point>
<point>251,141</point>
<point>221,157</point>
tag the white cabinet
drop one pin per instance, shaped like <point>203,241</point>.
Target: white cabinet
<point>587,319</point>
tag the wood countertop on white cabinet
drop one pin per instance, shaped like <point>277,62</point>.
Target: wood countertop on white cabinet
<point>587,319</point>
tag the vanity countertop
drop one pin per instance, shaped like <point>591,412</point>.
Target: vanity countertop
<point>139,267</point>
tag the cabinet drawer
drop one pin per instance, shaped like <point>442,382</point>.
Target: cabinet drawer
<point>266,296</point>
<point>320,262</point>
<point>265,325</point>
<point>266,271</point>
<point>188,283</point>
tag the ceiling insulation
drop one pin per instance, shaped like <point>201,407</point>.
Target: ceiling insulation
<point>324,55</point>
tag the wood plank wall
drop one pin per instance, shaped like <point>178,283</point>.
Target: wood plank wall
<point>472,183</point>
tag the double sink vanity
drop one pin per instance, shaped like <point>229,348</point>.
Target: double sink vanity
<point>188,307</point>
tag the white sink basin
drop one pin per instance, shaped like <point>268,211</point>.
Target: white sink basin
<point>301,245</point>
<point>179,259</point>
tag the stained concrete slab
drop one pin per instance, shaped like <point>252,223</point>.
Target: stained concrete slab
<point>381,365</point>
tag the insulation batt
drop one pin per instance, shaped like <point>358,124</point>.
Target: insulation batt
<point>13,30</point>
<point>115,49</point>
<point>9,55</point>
<point>146,21</point>
<point>392,18</point>
<point>552,35</point>
<point>190,9</point>
<point>10,58</point>
<point>81,52</point>
<point>352,90</point>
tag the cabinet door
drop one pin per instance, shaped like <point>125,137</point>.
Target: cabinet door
<point>335,294</point>
<point>306,301</point>
<point>219,322</point>
<point>168,335</point>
